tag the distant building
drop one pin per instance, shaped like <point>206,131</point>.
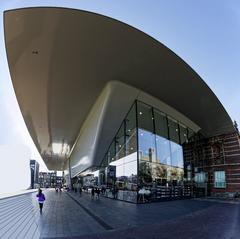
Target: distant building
<point>59,181</point>
<point>34,167</point>
<point>50,180</point>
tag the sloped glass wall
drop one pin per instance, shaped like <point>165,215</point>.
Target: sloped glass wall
<point>119,167</point>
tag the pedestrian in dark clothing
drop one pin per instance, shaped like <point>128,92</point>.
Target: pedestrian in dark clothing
<point>41,199</point>
<point>80,191</point>
<point>92,193</point>
<point>103,190</point>
<point>97,191</point>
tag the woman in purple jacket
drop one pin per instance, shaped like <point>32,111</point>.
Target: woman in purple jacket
<point>41,199</point>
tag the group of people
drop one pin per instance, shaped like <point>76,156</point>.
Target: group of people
<point>95,191</point>
<point>79,189</point>
<point>58,189</point>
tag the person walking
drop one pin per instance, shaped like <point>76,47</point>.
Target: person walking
<point>41,199</point>
<point>92,193</point>
<point>97,192</point>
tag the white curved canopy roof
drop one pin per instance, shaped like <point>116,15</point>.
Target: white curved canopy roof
<point>61,59</point>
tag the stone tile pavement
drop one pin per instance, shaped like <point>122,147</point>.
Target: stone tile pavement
<point>69,215</point>
<point>63,217</point>
<point>172,219</point>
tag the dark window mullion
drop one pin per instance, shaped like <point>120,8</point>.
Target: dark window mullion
<point>137,139</point>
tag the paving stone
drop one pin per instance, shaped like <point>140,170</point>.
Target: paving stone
<point>67,215</point>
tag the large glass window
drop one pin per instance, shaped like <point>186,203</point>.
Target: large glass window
<point>175,175</point>
<point>145,117</point>
<point>183,134</point>
<point>173,130</point>
<point>145,173</point>
<point>130,124</point>
<point>163,150</point>
<point>146,143</point>
<point>112,152</point>
<point>118,171</point>
<point>146,151</point>
<point>130,171</point>
<point>105,161</point>
<point>159,173</point>
<point>120,142</point>
<point>146,137</point>
<point>161,126</point>
<point>191,135</point>
<point>176,155</point>
<point>119,164</point>
<point>200,177</point>
<point>219,179</point>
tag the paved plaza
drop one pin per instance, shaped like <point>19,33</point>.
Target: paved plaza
<point>70,215</point>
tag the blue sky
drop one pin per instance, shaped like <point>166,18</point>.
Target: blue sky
<point>206,34</point>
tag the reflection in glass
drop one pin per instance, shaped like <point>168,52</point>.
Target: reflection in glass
<point>152,158</point>
<point>126,177</point>
<point>159,172</point>
<point>120,143</point>
<point>176,155</point>
<point>130,171</point>
<point>173,130</point>
<point>183,134</point>
<point>191,135</point>
<point>161,126</point>
<point>119,167</point>
<point>146,144</point>
<point>105,161</point>
<point>112,152</point>
<point>145,117</point>
<point>102,176</point>
<point>145,173</point>
<point>163,150</point>
<point>175,174</point>
<point>130,131</point>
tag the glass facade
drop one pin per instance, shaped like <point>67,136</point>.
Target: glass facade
<point>119,166</point>
<point>145,159</point>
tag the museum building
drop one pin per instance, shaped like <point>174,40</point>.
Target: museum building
<point>114,108</point>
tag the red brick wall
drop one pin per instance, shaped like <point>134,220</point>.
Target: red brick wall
<point>217,154</point>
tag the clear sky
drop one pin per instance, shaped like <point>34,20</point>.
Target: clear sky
<point>206,34</point>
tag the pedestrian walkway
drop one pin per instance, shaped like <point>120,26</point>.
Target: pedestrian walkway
<point>173,219</point>
<point>63,217</point>
<point>69,215</point>
<point>114,211</point>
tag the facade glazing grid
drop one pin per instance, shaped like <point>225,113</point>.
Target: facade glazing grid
<point>145,159</point>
